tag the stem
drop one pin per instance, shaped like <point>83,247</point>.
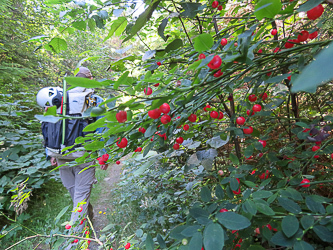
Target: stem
<point>143,41</point>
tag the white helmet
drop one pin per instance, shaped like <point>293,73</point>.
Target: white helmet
<point>49,96</point>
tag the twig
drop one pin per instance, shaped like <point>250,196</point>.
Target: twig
<point>143,41</point>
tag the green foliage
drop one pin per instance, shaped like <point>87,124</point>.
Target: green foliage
<point>177,194</point>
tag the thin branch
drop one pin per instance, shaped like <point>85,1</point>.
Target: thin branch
<point>182,24</point>
<point>143,41</point>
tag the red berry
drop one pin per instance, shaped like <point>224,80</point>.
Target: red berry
<point>332,155</point>
<point>248,130</point>
<point>165,108</point>
<point>80,209</point>
<point>230,97</point>
<point>148,91</point>
<point>263,96</point>
<point>222,210</point>
<point>318,142</point>
<point>316,156</point>
<point>220,7</point>
<point>248,112</point>
<point>306,130</point>
<point>240,120</point>
<point>159,63</point>
<point>316,12</point>
<point>256,107</point>
<point>218,73</point>
<point>313,35</point>
<point>303,36</point>
<point>202,56</point>
<point>236,192</point>
<point>262,142</point>
<point>215,4</point>
<point>76,241</point>
<point>277,49</point>
<point>139,149</point>
<point>68,226</point>
<point>127,246</point>
<point>224,42</point>
<point>315,148</point>
<point>274,32</point>
<point>252,98</point>
<point>192,118</point>
<point>289,45</point>
<point>154,114</point>
<point>305,181</point>
<point>156,84</point>
<point>122,143</point>
<point>214,114</point>
<point>268,74</point>
<point>165,119</point>
<point>176,146</point>
<point>260,155</point>
<point>220,115</point>
<point>186,127</point>
<point>207,107</point>
<point>220,172</point>
<point>180,140</point>
<point>260,51</point>
<point>264,175</point>
<point>142,130</point>
<point>121,116</point>
<point>216,62</point>
<point>117,162</point>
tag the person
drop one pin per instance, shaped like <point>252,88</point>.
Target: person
<point>78,184</point>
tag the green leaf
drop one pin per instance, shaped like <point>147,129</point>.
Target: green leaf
<point>205,194</point>
<point>234,159</point>
<point>93,126</point>
<point>197,212</point>
<point>62,212</point>
<point>263,207</point>
<point>250,207</point>
<point>233,221</point>
<point>161,241</point>
<point>234,184</point>
<point>248,151</point>
<point>281,240</point>
<point>302,245</point>
<point>196,241</point>
<point>308,5</point>
<point>316,73</point>
<point>307,221</point>
<point>203,42</point>
<point>57,45</point>
<point>267,8</point>
<point>290,225</point>
<point>121,80</point>
<point>289,205</point>
<point>323,233</point>
<point>314,206</point>
<point>217,142</point>
<point>48,118</point>
<point>261,194</point>
<point>103,14</point>
<point>149,243</point>
<point>94,145</point>
<point>219,192</point>
<point>190,9</point>
<point>213,237</point>
<point>175,44</point>
<point>80,25</point>
<point>161,28</point>
<point>191,230</point>
<point>117,27</point>
<point>150,131</point>
<point>82,82</point>
<point>142,19</point>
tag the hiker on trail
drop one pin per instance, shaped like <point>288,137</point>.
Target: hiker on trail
<point>58,136</point>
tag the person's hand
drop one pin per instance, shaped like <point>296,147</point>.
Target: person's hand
<point>53,162</point>
<point>104,167</point>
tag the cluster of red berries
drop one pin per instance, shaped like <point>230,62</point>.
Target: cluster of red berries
<point>103,159</point>
<point>215,4</point>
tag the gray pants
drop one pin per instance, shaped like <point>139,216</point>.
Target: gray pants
<point>79,187</point>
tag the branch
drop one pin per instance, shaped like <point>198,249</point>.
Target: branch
<point>182,24</point>
<point>142,41</point>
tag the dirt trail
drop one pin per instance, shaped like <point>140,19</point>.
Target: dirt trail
<point>104,201</point>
